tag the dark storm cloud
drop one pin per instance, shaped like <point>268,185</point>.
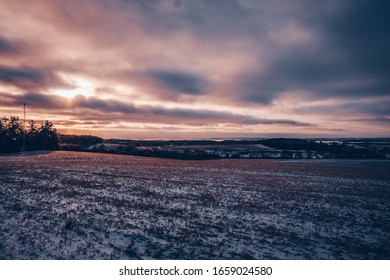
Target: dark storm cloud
<point>8,47</point>
<point>220,117</point>
<point>57,103</point>
<point>180,82</point>
<point>362,30</point>
<point>204,18</point>
<point>350,58</point>
<point>34,100</point>
<point>374,108</point>
<point>383,120</point>
<point>107,106</point>
<point>29,78</point>
<point>153,114</point>
<point>99,109</point>
<point>309,70</point>
<point>16,76</point>
<point>44,101</point>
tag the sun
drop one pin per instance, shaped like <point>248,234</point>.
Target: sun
<point>78,86</point>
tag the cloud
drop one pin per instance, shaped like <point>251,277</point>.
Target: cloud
<point>219,117</point>
<point>105,106</point>
<point>359,30</point>
<point>383,120</point>
<point>93,108</point>
<point>28,78</point>
<point>231,61</point>
<point>180,82</point>
<point>342,53</point>
<point>344,108</point>
<point>23,78</point>
<point>34,100</point>
<point>8,47</point>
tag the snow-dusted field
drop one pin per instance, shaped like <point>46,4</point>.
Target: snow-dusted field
<point>65,205</point>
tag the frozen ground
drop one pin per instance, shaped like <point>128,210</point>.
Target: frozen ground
<point>66,205</point>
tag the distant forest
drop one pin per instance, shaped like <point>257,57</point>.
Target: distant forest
<point>173,148</point>
<point>14,138</point>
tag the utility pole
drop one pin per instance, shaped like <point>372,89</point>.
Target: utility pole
<point>24,127</point>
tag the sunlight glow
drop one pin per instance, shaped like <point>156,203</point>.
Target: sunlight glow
<point>78,86</point>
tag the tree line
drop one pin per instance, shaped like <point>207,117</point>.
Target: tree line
<point>14,137</point>
<point>35,136</point>
<point>338,150</point>
<point>78,142</point>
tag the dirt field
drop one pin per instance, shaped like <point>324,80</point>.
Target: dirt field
<point>65,205</point>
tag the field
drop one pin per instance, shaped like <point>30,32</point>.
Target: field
<point>68,205</point>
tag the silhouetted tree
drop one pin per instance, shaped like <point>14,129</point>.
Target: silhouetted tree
<point>48,137</point>
<point>32,141</point>
<point>11,135</point>
<point>3,133</point>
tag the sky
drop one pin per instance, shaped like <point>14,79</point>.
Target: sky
<point>186,69</point>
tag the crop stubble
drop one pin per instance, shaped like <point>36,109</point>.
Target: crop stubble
<point>67,205</point>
